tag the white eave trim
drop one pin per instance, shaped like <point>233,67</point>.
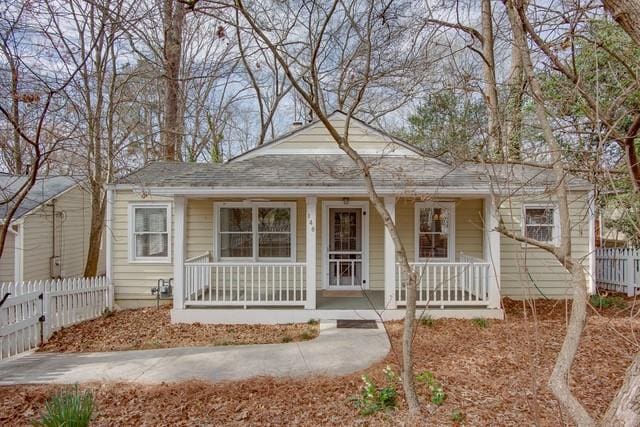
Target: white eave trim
<point>314,191</point>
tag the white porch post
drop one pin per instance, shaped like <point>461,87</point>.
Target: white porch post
<point>178,252</point>
<point>389,258</point>
<point>492,251</point>
<point>311,220</point>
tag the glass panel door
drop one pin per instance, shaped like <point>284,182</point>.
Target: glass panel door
<point>345,247</point>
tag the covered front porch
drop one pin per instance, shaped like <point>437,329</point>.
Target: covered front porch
<point>338,260</point>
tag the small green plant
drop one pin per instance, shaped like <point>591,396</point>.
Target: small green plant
<point>480,322</point>
<point>307,335</point>
<point>69,408</point>
<point>457,416</point>
<point>373,399</point>
<point>607,301</point>
<point>435,388</point>
<point>313,322</point>
<point>427,321</point>
<point>286,339</point>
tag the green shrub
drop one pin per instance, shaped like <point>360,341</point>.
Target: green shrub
<point>427,321</point>
<point>313,322</point>
<point>480,322</point>
<point>306,335</point>
<point>435,388</point>
<point>286,339</point>
<point>68,408</point>
<point>457,416</point>
<point>606,301</point>
<point>373,398</point>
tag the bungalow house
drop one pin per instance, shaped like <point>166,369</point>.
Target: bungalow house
<point>48,235</point>
<point>285,232</point>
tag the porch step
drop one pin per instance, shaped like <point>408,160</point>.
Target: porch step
<point>340,294</point>
<point>356,324</point>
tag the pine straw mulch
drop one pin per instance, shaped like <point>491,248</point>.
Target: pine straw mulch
<point>148,328</point>
<point>495,376</point>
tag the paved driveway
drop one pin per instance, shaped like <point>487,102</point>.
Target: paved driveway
<point>334,352</point>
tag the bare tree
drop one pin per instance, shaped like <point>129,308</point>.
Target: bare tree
<point>43,128</point>
<point>303,39</point>
<point>627,14</point>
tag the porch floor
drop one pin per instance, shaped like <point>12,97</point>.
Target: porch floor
<point>364,301</point>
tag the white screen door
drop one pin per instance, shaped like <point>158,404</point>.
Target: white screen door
<point>345,252</point>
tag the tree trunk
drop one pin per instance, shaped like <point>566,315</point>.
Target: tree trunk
<point>174,14</point>
<point>624,409</point>
<point>489,71</point>
<point>627,15</point>
<point>516,86</point>
<point>95,233</point>
<point>408,378</point>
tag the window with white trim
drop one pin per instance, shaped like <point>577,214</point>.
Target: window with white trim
<point>435,226</point>
<point>256,231</point>
<point>540,222</point>
<point>149,231</point>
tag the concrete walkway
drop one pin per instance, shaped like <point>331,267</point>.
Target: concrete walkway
<point>334,352</point>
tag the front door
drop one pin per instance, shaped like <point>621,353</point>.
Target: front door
<point>346,248</point>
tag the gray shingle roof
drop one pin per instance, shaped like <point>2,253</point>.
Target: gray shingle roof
<point>337,171</point>
<point>44,189</point>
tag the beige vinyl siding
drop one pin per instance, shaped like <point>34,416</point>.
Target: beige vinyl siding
<point>521,265</point>
<point>72,225</point>
<point>133,281</point>
<point>316,137</point>
<point>7,259</point>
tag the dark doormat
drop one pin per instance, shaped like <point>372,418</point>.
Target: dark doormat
<point>357,324</point>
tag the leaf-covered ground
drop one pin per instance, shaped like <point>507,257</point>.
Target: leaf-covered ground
<point>495,376</point>
<point>148,328</point>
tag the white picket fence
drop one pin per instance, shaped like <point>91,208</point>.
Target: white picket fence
<point>618,270</point>
<point>34,310</point>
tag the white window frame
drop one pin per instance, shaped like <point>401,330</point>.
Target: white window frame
<point>132,237</point>
<point>555,230</point>
<point>451,243</point>
<point>254,230</point>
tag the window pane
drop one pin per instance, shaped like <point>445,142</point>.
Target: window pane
<point>434,246</point>
<point>434,220</point>
<point>152,245</point>
<point>274,219</point>
<point>543,233</point>
<point>274,245</point>
<point>235,219</point>
<point>539,216</point>
<point>150,220</point>
<point>236,245</point>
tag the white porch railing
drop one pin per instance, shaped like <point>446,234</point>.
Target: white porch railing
<point>464,283</point>
<point>244,284</point>
<point>618,270</point>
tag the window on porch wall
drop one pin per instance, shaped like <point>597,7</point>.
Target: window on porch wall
<point>434,232</point>
<point>267,227</point>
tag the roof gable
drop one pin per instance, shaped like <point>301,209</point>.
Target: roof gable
<point>44,189</point>
<point>314,138</point>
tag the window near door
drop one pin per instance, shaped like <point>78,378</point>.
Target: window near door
<point>435,223</point>
<point>540,222</point>
<point>258,231</point>
<point>149,231</point>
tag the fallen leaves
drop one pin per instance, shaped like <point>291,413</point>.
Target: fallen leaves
<point>149,328</point>
<point>494,376</point>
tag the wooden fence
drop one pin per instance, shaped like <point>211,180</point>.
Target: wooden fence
<point>618,270</point>
<point>34,310</point>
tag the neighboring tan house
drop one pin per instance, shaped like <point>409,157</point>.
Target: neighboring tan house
<point>49,233</point>
<point>285,232</point>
